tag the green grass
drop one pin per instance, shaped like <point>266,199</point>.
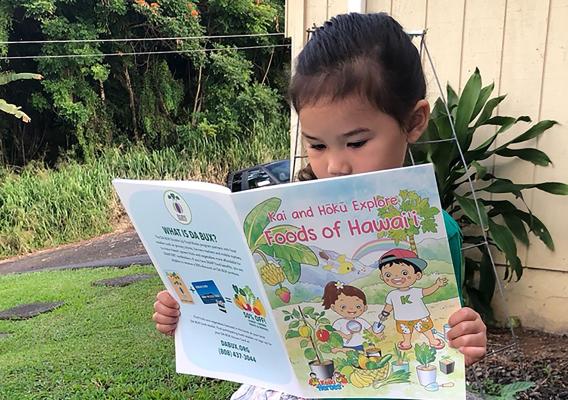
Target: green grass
<point>101,344</point>
<point>42,207</point>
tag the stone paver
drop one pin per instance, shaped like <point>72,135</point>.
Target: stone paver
<point>25,311</point>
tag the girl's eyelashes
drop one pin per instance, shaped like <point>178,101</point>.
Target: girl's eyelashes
<point>317,146</point>
<point>357,145</point>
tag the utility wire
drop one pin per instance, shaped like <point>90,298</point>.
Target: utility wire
<point>244,35</point>
<point>119,54</point>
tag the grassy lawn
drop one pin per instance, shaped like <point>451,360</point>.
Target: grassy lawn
<point>100,345</point>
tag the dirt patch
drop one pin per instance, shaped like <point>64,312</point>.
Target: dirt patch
<point>540,358</point>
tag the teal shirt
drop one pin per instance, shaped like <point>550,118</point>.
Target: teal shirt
<point>455,241</point>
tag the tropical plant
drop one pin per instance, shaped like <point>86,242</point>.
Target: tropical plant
<point>409,201</point>
<point>286,258</point>
<point>425,354</point>
<point>318,336</point>
<point>510,391</point>
<point>400,355</point>
<point>7,77</point>
<point>501,219</point>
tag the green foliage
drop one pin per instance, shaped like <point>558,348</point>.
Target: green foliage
<point>208,92</point>
<point>425,354</point>
<point>509,391</point>
<point>112,349</point>
<point>502,219</point>
<point>7,77</point>
<point>41,207</point>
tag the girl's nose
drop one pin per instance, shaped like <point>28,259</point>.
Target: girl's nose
<point>338,166</point>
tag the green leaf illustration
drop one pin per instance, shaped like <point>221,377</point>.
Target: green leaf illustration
<point>297,252</point>
<point>335,340</point>
<point>291,334</point>
<point>310,354</point>
<point>292,270</point>
<point>257,219</point>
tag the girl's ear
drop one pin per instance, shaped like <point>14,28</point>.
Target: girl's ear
<point>418,121</point>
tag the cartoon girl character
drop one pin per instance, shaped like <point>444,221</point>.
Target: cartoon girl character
<point>350,303</point>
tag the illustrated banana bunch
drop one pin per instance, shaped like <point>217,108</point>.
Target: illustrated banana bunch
<point>272,274</point>
<point>365,377</point>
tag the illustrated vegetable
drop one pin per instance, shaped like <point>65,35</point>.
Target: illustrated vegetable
<point>246,300</point>
<point>317,336</point>
<point>304,331</point>
<point>322,335</point>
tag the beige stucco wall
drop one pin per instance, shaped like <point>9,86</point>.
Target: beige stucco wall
<point>522,46</point>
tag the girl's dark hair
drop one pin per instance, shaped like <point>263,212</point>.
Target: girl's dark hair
<point>368,55</point>
<point>334,289</point>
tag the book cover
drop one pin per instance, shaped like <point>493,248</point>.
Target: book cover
<point>338,288</point>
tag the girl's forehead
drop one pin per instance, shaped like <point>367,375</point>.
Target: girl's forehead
<point>341,116</point>
<point>344,297</point>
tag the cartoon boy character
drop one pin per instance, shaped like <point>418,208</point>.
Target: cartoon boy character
<point>400,269</point>
<point>350,303</point>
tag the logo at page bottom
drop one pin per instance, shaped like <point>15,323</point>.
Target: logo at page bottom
<point>177,207</point>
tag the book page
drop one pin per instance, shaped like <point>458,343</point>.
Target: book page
<point>194,239</point>
<point>359,274</point>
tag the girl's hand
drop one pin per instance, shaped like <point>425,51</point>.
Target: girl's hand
<point>468,334</point>
<point>166,313</point>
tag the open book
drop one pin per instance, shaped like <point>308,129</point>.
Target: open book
<point>335,288</point>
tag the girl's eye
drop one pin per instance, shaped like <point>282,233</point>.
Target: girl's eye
<point>343,307</point>
<point>358,307</point>
<point>356,145</point>
<point>388,275</point>
<point>317,146</point>
<point>404,273</point>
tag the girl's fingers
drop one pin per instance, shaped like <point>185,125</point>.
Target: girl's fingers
<point>465,314</point>
<point>466,328</point>
<point>166,298</point>
<point>473,354</point>
<point>161,308</point>
<point>475,340</point>
<point>165,320</point>
<point>166,329</point>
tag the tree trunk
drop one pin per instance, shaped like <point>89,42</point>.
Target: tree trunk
<point>412,244</point>
<point>196,103</point>
<point>132,103</point>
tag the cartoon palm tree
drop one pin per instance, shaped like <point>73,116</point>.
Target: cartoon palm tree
<point>287,258</point>
<point>409,201</point>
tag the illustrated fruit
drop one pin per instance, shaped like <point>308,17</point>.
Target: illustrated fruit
<point>347,370</point>
<point>322,335</point>
<point>365,377</point>
<point>272,274</point>
<point>360,379</point>
<point>304,331</point>
<point>284,294</point>
<point>362,361</point>
<point>240,301</point>
<point>258,309</point>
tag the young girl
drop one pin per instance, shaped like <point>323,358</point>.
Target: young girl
<point>350,303</point>
<point>359,91</point>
